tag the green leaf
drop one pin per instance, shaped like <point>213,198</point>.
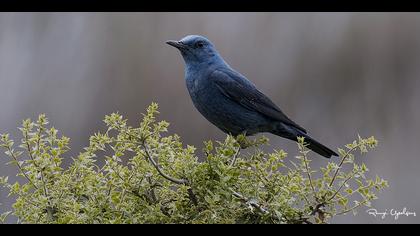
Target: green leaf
<point>150,176</point>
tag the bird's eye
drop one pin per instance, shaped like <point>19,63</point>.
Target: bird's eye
<point>200,44</point>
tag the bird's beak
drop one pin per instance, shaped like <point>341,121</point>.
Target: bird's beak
<point>176,44</point>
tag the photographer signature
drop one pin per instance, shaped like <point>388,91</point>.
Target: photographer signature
<point>393,212</point>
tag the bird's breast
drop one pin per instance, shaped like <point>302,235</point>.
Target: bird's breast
<point>196,82</point>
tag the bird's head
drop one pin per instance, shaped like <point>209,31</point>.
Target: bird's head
<point>195,49</point>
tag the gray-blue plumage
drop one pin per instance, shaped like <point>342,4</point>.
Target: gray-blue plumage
<point>229,100</point>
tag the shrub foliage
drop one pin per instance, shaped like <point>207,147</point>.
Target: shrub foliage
<point>150,177</point>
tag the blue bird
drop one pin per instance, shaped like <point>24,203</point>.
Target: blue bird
<point>229,100</point>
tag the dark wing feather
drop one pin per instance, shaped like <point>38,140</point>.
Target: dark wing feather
<point>239,89</point>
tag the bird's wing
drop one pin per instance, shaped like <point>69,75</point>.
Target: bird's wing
<point>236,87</point>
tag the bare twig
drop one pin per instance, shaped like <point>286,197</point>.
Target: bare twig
<point>163,174</point>
<point>152,189</point>
<point>235,156</point>
<point>308,172</point>
<point>149,157</point>
<point>191,193</point>
<point>156,165</point>
<point>238,150</point>
<point>339,165</point>
<point>342,185</point>
<point>247,201</point>
<point>50,209</point>
<point>351,209</point>
<point>20,167</point>
<point>28,146</point>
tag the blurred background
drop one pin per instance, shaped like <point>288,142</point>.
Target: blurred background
<point>336,74</point>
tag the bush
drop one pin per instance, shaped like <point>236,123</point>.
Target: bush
<point>152,178</point>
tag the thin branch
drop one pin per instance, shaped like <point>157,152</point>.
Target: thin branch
<point>156,165</point>
<point>247,201</point>
<point>306,221</point>
<point>317,209</point>
<point>341,163</point>
<point>235,156</point>
<point>38,141</point>
<point>239,148</point>
<point>342,185</point>
<point>35,164</point>
<point>308,171</point>
<point>353,208</point>
<point>148,156</point>
<point>191,193</point>
<point>306,199</point>
<point>163,174</point>
<point>50,213</point>
<point>20,167</point>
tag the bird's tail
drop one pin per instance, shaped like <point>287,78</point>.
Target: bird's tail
<point>292,134</point>
<point>318,147</point>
